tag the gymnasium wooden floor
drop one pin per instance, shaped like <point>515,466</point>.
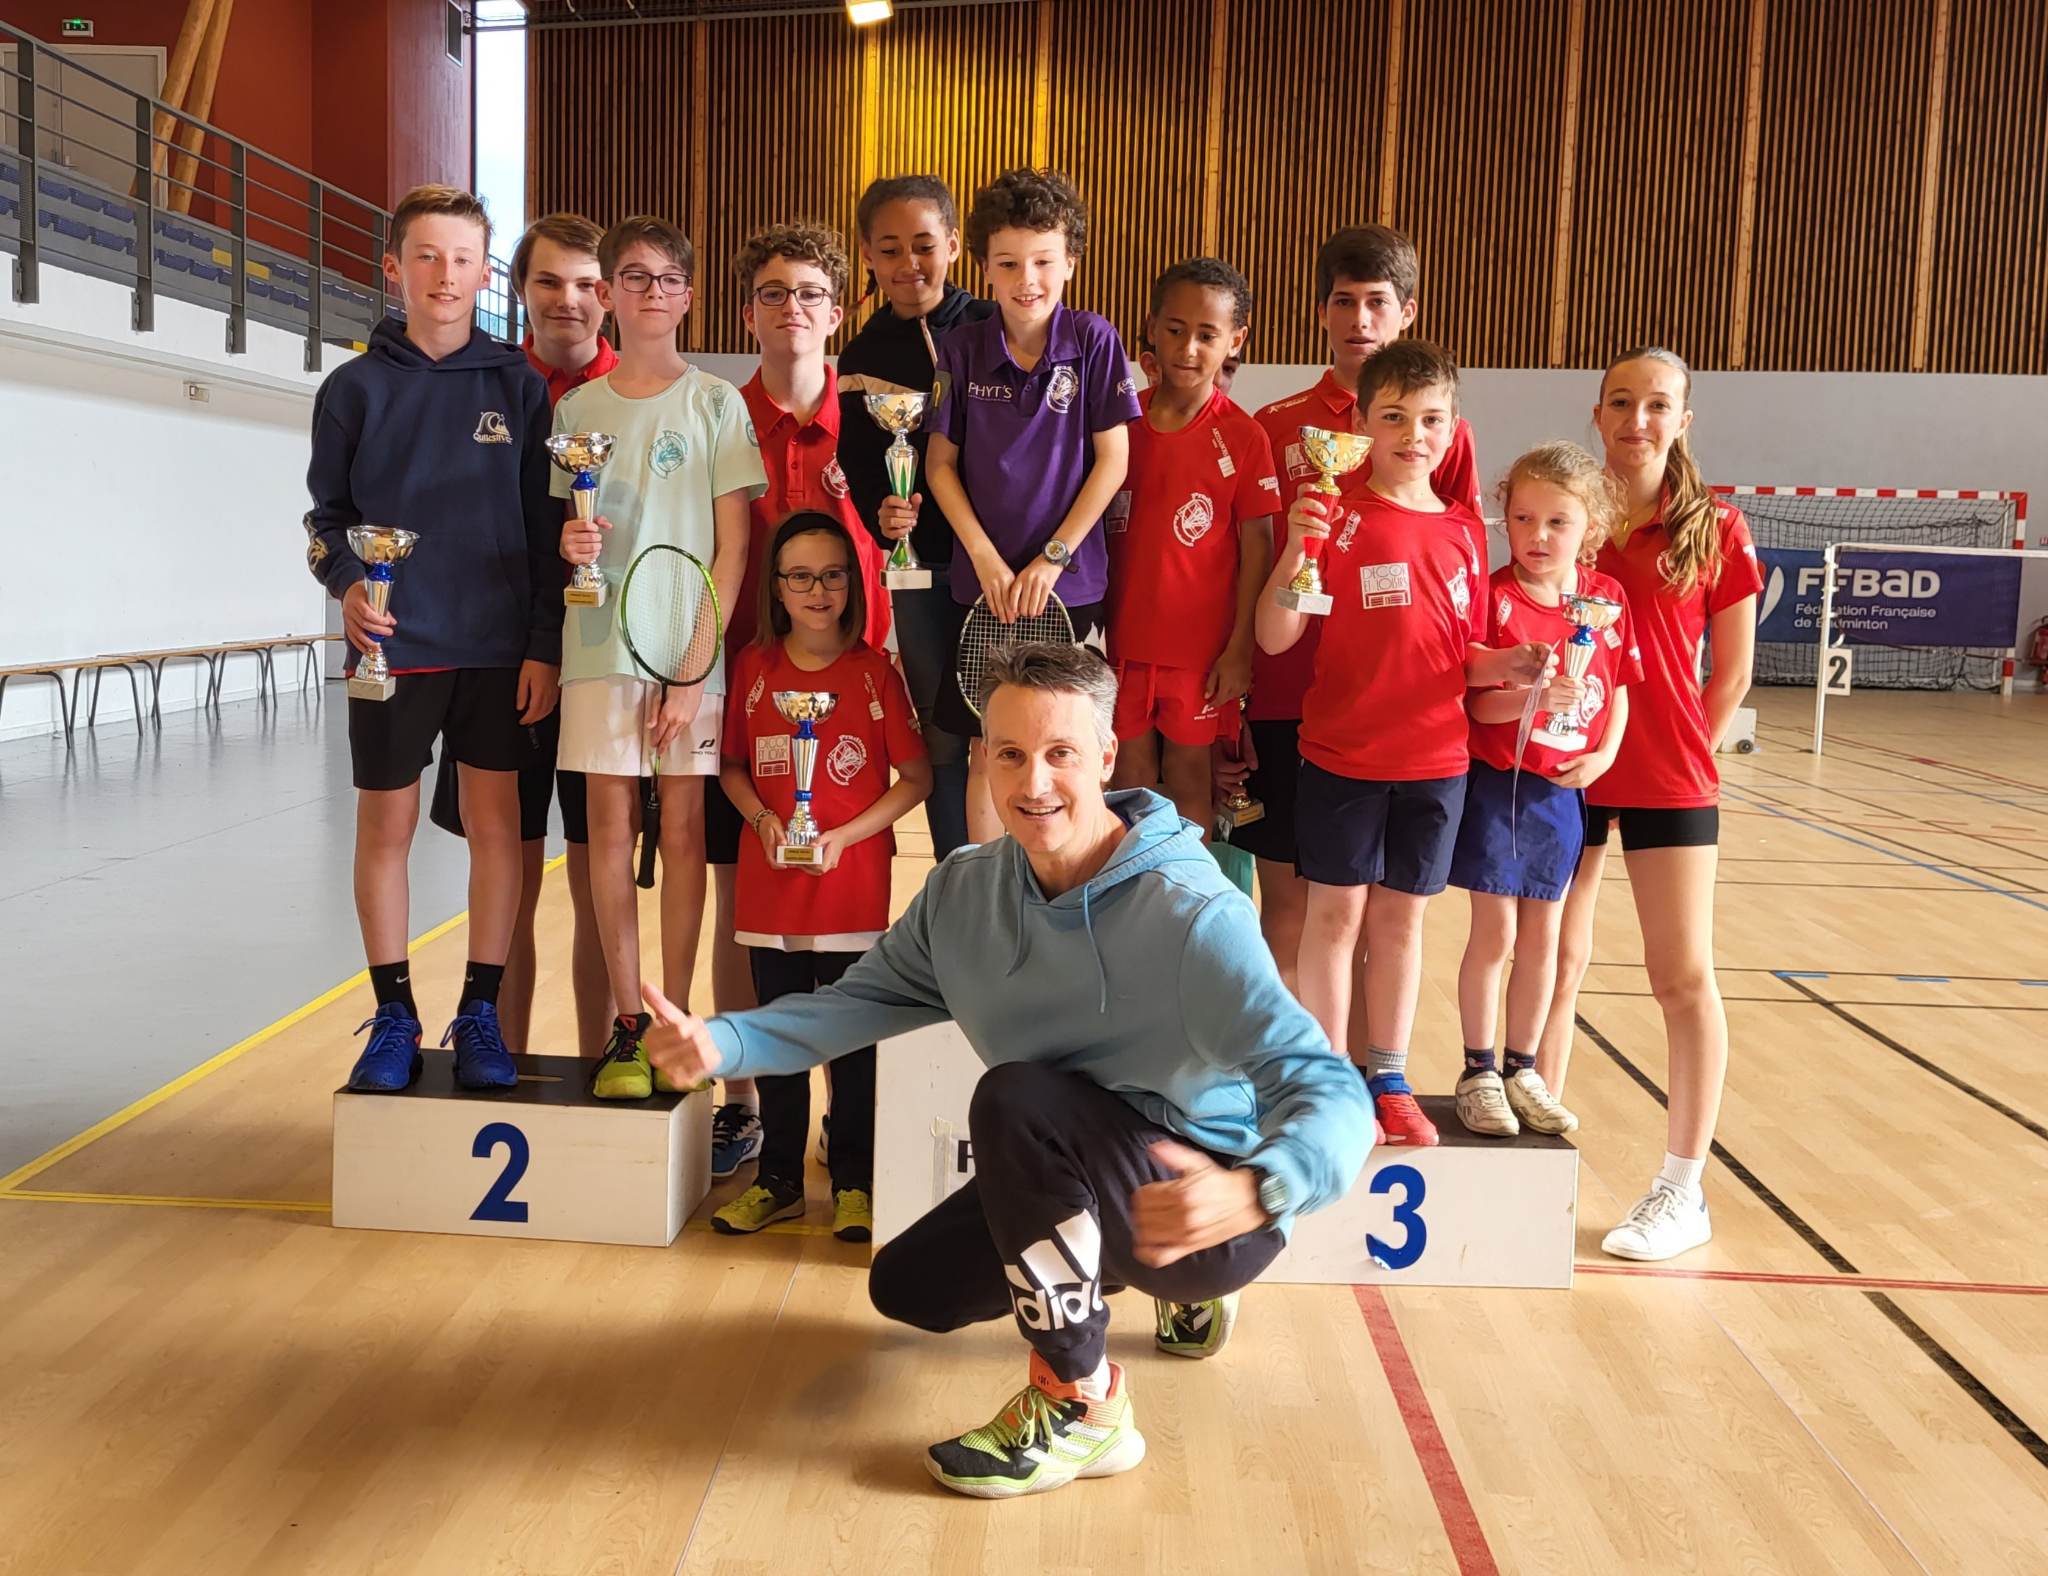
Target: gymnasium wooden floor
<point>198,1373</point>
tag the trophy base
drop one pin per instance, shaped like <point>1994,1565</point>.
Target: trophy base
<point>584,596</point>
<point>907,579</point>
<point>1317,603</point>
<point>1244,814</point>
<point>1559,741</point>
<point>796,856</point>
<point>362,687</point>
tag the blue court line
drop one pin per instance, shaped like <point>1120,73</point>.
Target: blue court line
<point>1921,979</point>
<point>2038,984</point>
<point>1875,848</point>
<point>1799,974</point>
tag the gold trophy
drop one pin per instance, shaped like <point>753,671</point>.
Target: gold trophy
<point>1240,808</point>
<point>805,708</point>
<point>1333,454</point>
<point>583,455</point>
<point>901,414</point>
<point>1565,730</point>
<point>379,547</point>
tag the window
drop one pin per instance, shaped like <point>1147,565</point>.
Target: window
<point>455,31</point>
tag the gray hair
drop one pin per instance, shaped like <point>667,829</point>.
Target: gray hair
<point>1060,669</point>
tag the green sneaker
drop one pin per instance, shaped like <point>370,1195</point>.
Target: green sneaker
<point>624,1073</point>
<point>757,1207</point>
<point>1043,1439</point>
<point>1195,1329</point>
<point>853,1215</point>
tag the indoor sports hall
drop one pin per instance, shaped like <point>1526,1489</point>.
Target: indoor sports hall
<point>723,726</point>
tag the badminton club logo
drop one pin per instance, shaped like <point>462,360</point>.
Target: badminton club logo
<point>1594,698</point>
<point>669,451</point>
<point>834,478</point>
<point>1060,391</point>
<point>845,760</point>
<point>1461,592</point>
<point>1192,520</point>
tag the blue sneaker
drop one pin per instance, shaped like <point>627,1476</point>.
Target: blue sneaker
<point>735,1138</point>
<point>391,1061</point>
<point>481,1060</point>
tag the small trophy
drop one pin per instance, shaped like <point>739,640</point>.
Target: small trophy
<point>379,547</point>
<point>1334,454</point>
<point>1564,730</point>
<point>805,708</point>
<point>583,454</point>
<point>901,414</point>
<point>1240,808</point>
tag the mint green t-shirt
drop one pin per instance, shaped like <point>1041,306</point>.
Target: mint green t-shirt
<point>672,454</point>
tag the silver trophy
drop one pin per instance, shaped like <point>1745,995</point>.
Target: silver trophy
<point>901,414</point>
<point>380,547</point>
<point>583,455</point>
<point>1591,614</point>
<point>805,708</point>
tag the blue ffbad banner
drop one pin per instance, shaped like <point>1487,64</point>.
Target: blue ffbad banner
<point>1891,599</point>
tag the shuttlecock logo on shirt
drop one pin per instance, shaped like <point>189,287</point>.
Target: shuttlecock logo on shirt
<point>491,428</point>
<point>843,762</point>
<point>669,451</point>
<point>1191,521</point>
<point>834,478</point>
<point>1060,392</point>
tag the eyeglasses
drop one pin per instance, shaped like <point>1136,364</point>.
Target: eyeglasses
<point>639,281</point>
<point>803,580</point>
<point>809,297</point>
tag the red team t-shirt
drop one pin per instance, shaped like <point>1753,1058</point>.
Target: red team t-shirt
<point>1173,534</point>
<point>1664,762</point>
<point>1387,702</point>
<point>872,728</point>
<point>1513,616</point>
<point>1279,682</point>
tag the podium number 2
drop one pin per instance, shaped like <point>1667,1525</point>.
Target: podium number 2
<point>499,1204</point>
<point>1415,1235</point>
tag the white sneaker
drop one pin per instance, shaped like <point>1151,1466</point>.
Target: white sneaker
<point>1483,1106</point>
<point>1540,1110</point>
<point>1664,1224</point>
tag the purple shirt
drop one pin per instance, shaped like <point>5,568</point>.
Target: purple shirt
<point>1027,439</point>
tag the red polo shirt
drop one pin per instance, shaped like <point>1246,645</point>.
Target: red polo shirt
<point>560,382</point>
<point>802,462</point>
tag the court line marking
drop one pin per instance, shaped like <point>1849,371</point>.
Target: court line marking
<point>215,1063</point>
<point>1945,1361</point>
<point>1962,1085</point>
<point>1787,1278</point>
<point>1439,1467</point>
<point>1902,821</point>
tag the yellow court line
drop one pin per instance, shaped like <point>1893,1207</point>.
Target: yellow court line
<point>128,1113</point>
<point>281,1206</point>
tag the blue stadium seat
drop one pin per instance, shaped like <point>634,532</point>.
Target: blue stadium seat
<point>111,241</point>
<point>176,262</point>
<point>9,207</point>
<point>63,226</point>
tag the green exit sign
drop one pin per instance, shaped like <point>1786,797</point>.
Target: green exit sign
<point>77,27</point>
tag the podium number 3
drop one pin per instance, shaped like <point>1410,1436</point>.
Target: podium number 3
<point>1415,1235</point>
<point>499,1204</point>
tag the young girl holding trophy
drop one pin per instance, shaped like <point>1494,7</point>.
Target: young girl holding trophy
<point>816,719</point>
<point>1533,752</point>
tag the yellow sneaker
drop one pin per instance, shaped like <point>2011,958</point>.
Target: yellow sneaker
<point>758,1207</point>
<point>623,1073</point>
<point>853,1215</point>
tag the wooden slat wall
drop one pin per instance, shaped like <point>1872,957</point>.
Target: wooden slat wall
<point>1780,184</point>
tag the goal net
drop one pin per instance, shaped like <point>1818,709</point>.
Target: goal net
<point>1793,528</point>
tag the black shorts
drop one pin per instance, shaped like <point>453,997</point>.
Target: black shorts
<point>951,711</point>
<point>1390,834</point>
<point>723,826</point>
<point>1698,827</point>
<point>539,786</point>
<point>474,710</point>
<point>1274,782</point>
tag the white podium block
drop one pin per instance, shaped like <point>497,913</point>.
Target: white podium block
<point>1470,1212</point>
<point>543,1159</point>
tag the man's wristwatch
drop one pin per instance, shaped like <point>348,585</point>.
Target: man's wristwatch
<point>1057,554</point>
<point>1273,1196</point>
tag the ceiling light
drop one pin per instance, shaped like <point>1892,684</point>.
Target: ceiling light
<point>863,12</point>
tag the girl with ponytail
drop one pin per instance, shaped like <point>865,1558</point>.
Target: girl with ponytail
<point>1687,566</point>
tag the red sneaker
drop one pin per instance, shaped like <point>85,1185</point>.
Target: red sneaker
<point>1402,1120</point>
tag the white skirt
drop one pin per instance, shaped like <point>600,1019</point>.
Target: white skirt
<point>605,725</point>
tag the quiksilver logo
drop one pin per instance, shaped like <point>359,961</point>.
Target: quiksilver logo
<point>491,428</point>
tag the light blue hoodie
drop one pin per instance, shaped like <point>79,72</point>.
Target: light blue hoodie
<point>1151,980</point>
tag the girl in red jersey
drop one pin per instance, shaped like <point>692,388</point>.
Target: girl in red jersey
<point>1688,568</point>
<point>805,926</point>
<point>1521,833</point>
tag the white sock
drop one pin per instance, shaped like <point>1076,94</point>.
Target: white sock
<point>1680,1173</point>
<point>1095,1386</point>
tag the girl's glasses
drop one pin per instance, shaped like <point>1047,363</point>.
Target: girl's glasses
<point>803,580</point>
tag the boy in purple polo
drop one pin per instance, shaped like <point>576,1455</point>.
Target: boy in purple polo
<point>1028,442</point>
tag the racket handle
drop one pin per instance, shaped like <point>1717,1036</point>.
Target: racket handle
<point>650,832</point>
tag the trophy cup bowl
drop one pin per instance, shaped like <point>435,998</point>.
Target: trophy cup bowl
<point>805,708</point>
<point>901,414</point>
<point>1589,615</point>
<point>582,455</point>
<point>1333,454</point>
<point>1241,809</point>
<point>380,547</point>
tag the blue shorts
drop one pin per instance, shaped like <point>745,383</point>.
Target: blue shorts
<point>1532,855</point>
<point>1350,832</point>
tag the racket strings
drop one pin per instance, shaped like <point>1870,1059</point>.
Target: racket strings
<point>983,635</point>
<point>670,617</point>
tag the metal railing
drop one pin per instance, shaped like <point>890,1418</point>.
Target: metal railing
<point>275,242</point>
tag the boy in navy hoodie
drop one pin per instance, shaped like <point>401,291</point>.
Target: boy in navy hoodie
<point>440,430</point>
